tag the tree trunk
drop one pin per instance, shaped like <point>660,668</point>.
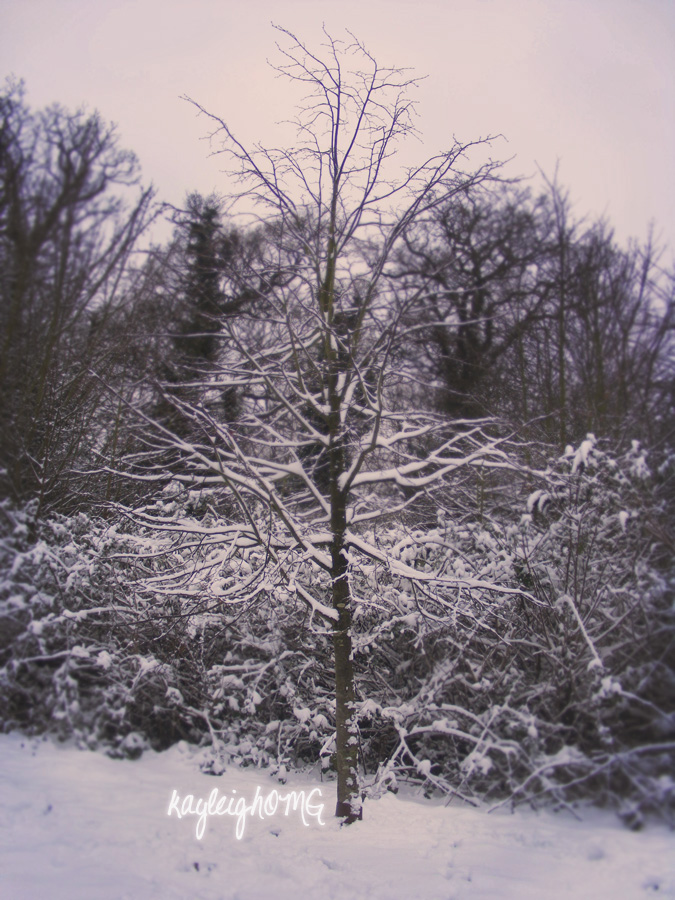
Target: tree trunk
<point>346,738</point>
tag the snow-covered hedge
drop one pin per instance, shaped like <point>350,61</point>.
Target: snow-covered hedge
<point>89,651</point>
<point>559,687</point>
<point>568,696</point>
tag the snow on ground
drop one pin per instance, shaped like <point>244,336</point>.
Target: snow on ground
<point>79,826</point>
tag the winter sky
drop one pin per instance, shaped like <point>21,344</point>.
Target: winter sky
<point>588,83</point>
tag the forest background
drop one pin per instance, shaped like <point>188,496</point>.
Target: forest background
<point>376,478</point>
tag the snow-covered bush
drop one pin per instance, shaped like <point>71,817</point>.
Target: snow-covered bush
<point>562,691</point>
<point>98,643</point>
<point>82,655</point>
<point>71,659</point>
<point>558,686</point>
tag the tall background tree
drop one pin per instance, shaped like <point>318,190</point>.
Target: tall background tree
<point>67,234</point>
<point>535,317</point>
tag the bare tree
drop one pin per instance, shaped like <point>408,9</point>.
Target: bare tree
<point>67,234</point>
<point>323,448</point>
<point>478,258</point>
<point>597,356</point>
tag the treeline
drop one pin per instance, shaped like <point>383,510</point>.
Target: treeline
<point>409,479</point>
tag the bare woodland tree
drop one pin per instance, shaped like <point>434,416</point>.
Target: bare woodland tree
<point>477,257</point>
<point>67,234</point>
<point>540,318</point>
<point>324,448</point>
<point>597,357</point>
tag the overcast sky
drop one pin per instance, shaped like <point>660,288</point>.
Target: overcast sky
<point>590,83</point>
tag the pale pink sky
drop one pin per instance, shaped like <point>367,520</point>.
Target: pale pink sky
<point>589,83</point>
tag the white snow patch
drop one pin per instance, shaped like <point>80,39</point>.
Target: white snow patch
<point>77,825</point>
<point>584,451</point>
<point>104,659</point>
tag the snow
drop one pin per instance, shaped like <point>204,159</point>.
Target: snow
<point>78,825</point>
<point>582,454</point>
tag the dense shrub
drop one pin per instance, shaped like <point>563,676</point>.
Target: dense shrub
<point>560,687</point>
<point>563,691</point>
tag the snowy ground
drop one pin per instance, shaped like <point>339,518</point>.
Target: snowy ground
<point>80,826</point>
